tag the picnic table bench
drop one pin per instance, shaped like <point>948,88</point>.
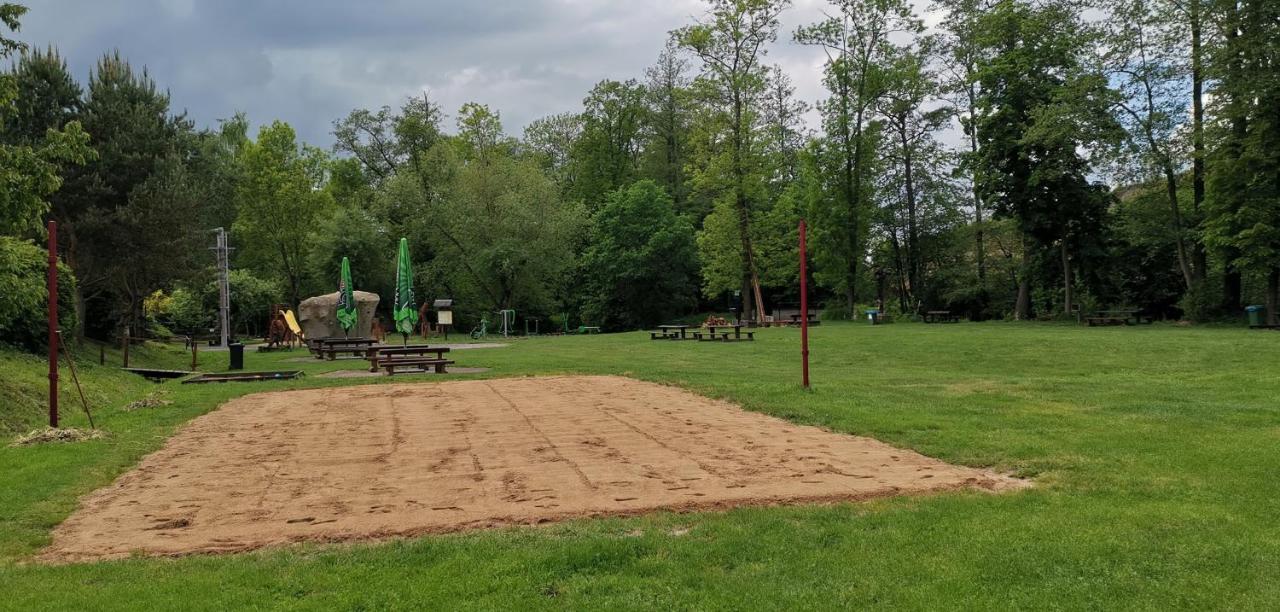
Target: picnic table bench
<point>670,332</point>
<point>1118,317</point>
<point>420,356</point>
<point>941,316</point>
<point>795,319</point>
<point>330,348</point>
<point>379,355</point>
<point>711,333</point>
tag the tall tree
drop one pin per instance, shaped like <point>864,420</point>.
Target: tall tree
<point>551,141</point>
<point>278,206</point>
<point>40,137</point>
<point>916,160</point>
<point>1039,107</point>
<point>1244,220</point>
<point>731,42</point>
<point>958,43</point>
<point>1142,54</point>
<point>641,267</point>
<point>133,133</point>
<point>856,40</point>
<point>606,155</point>
<point>383,140</point>
<point>667,124</point>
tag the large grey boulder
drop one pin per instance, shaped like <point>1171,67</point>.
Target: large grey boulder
<point>318,315</point>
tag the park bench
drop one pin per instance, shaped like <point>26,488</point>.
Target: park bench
<point>941,316</point>
<point>330,348</point>
<point>392,359</point>
<point>1118,317</point>
<point>375,353</point>
<point>670,332</point>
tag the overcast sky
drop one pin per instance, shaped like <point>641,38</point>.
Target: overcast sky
<point>309,62</point>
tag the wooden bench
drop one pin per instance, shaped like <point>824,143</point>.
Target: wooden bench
<point>330,348</point>
<point>377,354</point>
<point>420,363</point>
<point>940,316</point>
<point>1097,321</point>
<point>1126,317</point>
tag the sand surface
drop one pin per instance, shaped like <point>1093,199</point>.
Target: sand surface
<point>395,460</point>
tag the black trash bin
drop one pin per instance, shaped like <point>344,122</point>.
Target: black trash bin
<point>236,350</point>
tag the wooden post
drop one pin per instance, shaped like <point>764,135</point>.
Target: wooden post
<point>126,347</point>
<point>53,324</point>
<point>194,348</point>
<point>804,310</point>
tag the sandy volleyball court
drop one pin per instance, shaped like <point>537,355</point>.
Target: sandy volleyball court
<point>386,460</point>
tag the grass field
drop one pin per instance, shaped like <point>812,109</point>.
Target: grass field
<point>1155,449</point>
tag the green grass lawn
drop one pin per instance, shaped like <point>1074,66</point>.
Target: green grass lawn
<point>1155,449</point>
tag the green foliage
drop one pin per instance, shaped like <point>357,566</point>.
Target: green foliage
<point>606,153</point>
<point>641,266</point>
<point>24,286</point>
<point>356,234</point>
<point>38,138</point>
<point>187,312</point>
<point>278,206</point>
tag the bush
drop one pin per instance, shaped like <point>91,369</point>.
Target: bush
<point>24,296</point>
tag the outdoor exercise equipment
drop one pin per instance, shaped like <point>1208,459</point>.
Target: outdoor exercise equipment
<point>508,321</point>
<point>481,331</point>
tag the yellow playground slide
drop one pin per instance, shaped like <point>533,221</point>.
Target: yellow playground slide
<point>292,322</point>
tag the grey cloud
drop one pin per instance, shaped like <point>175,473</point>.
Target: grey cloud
<point>310,62</point>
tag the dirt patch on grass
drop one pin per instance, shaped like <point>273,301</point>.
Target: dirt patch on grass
<point>62,435</point>
<point>397,460</point>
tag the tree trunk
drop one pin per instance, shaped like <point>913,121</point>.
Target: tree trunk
<point>1231,281</point>
<point>1200,265</point>
<point>1068,281</point>
<point>977,191</point>
<point>1179,241</point>
<point>750,277</point>
<point>1273,297</point>
<point>1022,306</point>
<point>913,255</point>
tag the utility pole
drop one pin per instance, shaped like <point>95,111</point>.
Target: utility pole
<point>222,251</point>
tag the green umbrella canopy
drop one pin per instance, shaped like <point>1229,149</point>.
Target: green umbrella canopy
<point>405,310</point>
<point>346,298</point>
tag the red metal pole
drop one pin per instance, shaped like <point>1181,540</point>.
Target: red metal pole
<point>53,324</point>
<point>804,308</point>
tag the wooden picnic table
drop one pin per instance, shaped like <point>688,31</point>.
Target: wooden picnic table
<point>795,319</point>
<point>1118,317</point>
<point>378,355</point>
<point>670,332</point>
<point>711,333</point>
<point>940,316</point>
<point>329,348</point>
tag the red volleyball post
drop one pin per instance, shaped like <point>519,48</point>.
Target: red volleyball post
<point>804,309</point>
<point>53,324</point>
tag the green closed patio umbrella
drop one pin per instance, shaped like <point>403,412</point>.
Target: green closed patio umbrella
<point>405,309</point>
<point>346,300</point>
